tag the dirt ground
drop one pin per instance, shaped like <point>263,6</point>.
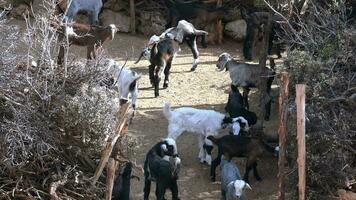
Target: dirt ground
<point>205,88</point>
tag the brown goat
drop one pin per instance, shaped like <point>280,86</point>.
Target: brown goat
<point>240,146</point>
<point>90,36</point>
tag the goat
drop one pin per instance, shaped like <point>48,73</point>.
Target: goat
<point>194,12</point>
<point>126,81</point>
<point>159,169</point>
<point>240,146</point>
<point>235,107</point>
<point>231,184</point>
<point>93,37</point>
<point>92,7</point>
<point>247,76</point>
<point>161,57</point>
<point>201,122</point>
<point>122,185</point>
<point>184,32</point>
<point>256,22</point>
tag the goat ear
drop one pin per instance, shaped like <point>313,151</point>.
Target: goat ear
<point>164,147</point>
<point>248,186</point>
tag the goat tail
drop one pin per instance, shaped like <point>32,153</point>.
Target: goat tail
<point>213,139</point>
<point>167,110</point>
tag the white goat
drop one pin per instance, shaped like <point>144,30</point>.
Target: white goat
<point>231,184</point>
<point>126,80</point>
<point>201,122</point>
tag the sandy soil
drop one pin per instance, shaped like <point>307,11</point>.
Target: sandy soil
<point>205,88</point>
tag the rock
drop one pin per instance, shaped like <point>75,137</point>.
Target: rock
<point>236,29</point>
<point>116,5</point>
<point>346,195</point>
<point>120,19</point>
<point>150,23</point>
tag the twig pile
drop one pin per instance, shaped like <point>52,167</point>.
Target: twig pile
<point>53,120</point>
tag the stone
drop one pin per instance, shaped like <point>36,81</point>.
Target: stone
<point>120,19</point>
<point>236,29</point>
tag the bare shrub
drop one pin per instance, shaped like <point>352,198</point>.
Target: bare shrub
<point>54,120</point>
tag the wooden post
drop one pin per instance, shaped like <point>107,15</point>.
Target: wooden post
<point>110,177</point>
<point>300,101</point>
<point>106,152</point>
<point>132,17</point>
<point>282,131</point>
<point>219,26</point>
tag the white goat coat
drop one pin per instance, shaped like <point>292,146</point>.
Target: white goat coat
<point>201,122</point>
<point>124,78</point>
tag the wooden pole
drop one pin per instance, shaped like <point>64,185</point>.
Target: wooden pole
<point>132,17</point>
<point>300,101</point>
<point>282,131</point>
<point>106,152</point>
<point>219,26</point>
<point>110,177</point>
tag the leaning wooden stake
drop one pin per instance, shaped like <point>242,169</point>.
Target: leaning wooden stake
<point>132,17</point>
<point>110,177</point>
<point>282,131</point>
<point>105,154</point>
<point>300,101</point>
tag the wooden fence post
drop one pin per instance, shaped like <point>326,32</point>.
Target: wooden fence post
<point>282,131</point>
<point>219,25</point>
<point>110,177</point>
<point>106,152</point>
<point>300,101</point>
<point>132,17</point>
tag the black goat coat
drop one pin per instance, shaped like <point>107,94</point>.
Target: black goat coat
<point>235,108</point>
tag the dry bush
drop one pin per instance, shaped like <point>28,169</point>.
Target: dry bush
<point>322,57</point>
<point>54,120</point>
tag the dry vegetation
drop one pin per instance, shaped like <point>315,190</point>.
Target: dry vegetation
<point>54,120</point>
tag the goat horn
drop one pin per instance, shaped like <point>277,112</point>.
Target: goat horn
<point>139,58</point>
<point>248,186</point>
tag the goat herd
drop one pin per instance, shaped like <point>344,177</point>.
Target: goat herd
<point>162,163</point>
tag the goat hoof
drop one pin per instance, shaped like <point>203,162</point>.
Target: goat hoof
<point>165,85</point>
<point>212,179</point>
<point>193,69</point>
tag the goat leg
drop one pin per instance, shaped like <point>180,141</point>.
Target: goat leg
<point>245,93</point>
<point>147,188</point>
<point>151,75</point>
<point>166,73</point>
<point>255,172</point>
<point>174,189</point>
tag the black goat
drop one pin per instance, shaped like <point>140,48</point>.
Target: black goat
<point>256,24</point>
<point>122,186</point>
<point>159,169</point>
<point>193,12</point>
<point>161,57</point>
<point>240,146</point>
<point>235,107</point>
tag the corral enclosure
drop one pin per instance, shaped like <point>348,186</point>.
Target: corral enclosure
<point>66,118</point>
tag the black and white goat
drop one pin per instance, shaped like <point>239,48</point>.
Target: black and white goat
<point>122,185</point>
<point>162,166</point>
<point>126,81</point>
<point>201,122</point>
<point>240,146</point>
<point>161,57</point>
<point>249,76</point>
<point>184,32</point>
<point>92,7</point>
<point>231,184</point>
<point>235,107</point>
